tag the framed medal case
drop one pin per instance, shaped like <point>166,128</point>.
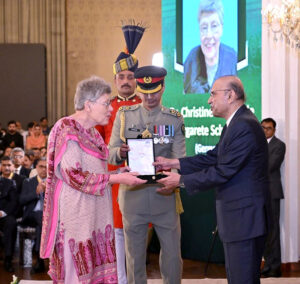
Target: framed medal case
<point>140,158</point>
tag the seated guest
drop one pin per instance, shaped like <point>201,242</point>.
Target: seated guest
<point>32,198</point>
<point>43,152</point>
<point>17,157</point>
<point>28,161</point>
<point>44,125</point>
<point>7,151</point>
<point>8,224</point>
<point>12,138</point>
<point>37,139</point>
<point>7,169</point>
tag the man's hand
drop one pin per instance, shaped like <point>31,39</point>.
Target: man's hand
<point>123,151</point>
<point>170,182</point>
<point>162,163</point>
<point>41,187</point>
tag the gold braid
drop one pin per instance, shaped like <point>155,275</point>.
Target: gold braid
<point>122,128</point>
<point>179,207</point>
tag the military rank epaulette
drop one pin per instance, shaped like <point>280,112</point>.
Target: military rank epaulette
<point>127,108</point>
<point>171,111</point>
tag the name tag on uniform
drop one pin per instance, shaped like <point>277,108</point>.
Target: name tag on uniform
<point>134,128</point>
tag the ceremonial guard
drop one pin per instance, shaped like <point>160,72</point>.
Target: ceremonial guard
<point>123,69</point>
<point>141,205</point>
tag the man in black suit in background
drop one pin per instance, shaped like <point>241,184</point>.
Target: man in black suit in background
<point>12,138</point>
<point>17,157</point>
<point>32,198</point>
<point>237,168</point>
<point>272,253</point>
<point>7,169</point>
<point>8,224</point>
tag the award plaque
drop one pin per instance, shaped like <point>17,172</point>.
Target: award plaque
<point>140,158</point>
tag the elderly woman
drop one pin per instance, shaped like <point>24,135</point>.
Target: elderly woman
<point>78,233</point>
<point>212,59</point>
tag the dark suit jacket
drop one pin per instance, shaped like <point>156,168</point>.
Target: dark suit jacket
<point>28,197</point>
<point>8,196</point>
<point>25,172</point>
<point>276,156</point>
<point>19,182</point>
<point>238,168</point>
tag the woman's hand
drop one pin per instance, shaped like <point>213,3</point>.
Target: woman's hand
<point>129,178</point>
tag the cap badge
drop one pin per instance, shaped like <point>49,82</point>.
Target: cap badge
<point>148,80</point>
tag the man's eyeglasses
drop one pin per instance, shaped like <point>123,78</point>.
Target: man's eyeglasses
<point>18,156</point>
<point>213,93</point>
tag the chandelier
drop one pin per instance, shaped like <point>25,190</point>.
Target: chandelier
<point>284,21</point>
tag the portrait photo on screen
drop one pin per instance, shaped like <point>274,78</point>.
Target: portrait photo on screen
<point>209,41</point>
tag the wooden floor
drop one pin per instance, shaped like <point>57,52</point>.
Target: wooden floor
<point>191,270</point>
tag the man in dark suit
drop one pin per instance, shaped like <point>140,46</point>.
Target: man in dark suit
<point>32,198</point>
<point>8,224</point>
<point>272,253</point>
<point>12,138</point>
<point>17,157</point>
<point>7,169</point>
<point>237,168</point>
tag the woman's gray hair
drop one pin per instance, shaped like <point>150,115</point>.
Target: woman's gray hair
<point>210,6</point>
<point>90,89</point>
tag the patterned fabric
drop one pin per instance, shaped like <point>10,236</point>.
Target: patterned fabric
<point>105,132</point>
<point>77,208</point>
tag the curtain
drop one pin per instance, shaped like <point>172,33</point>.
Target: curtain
<point>40,21</point>
<point>281,101</point>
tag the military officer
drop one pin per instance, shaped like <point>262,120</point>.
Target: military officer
<point>141,205</point>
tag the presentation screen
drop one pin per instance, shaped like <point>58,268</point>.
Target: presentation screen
<point>201,41</point>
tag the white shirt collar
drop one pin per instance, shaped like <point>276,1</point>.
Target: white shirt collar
<point>230,118</point>
<point>269,139</point>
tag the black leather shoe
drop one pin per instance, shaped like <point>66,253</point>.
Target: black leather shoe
<point>272,273</point>
<point>39,267</point>
<point>265,270</point>
<point>8,266</point>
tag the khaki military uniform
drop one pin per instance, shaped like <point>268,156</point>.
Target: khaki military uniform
<point>141,204</point>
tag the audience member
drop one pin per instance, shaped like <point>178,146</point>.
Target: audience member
<point>272,253</point>
<point>7,168</point>
<point>43,152</point>
<point>17,157</point>
<point>12,138</point>
<point>28,161</point>
<point>7,151</point>
<point>37,139</point>
<point>44,125</point>
<point>8,223</point>
<point>32,198</point>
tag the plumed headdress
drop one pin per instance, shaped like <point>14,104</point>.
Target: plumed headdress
<point>126,59</point>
